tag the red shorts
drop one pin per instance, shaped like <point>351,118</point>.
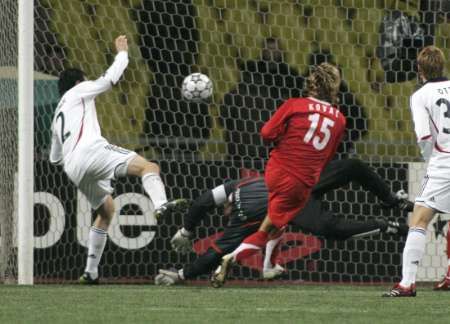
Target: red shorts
<point>287,195</point>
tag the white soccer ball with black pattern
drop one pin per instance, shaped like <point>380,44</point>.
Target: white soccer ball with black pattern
<point>196,87</point>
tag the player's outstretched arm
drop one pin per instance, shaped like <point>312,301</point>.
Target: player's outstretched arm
<point>182,240</point>
<point>116,70</point>
<point>209,200</point>
<point>90,89</point>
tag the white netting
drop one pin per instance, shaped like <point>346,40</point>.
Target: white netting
<point>257,53</point>
<point>8,137</point>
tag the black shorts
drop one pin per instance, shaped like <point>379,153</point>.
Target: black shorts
<point>313,218</point>
<point>235,232</point>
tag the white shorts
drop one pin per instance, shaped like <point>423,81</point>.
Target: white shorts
<point>435,193</point>
<point>96,182</point>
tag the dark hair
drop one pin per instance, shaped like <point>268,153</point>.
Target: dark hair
<point>323,83</point>
<point>68,79</point>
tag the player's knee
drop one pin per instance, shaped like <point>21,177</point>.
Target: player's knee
<point>421,217</point>
<point>151,167</point>
<point>148,167</point>
<point>139,166</point>
<point>106,211</point>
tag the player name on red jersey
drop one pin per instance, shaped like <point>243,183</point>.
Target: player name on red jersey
<point>323,108</point>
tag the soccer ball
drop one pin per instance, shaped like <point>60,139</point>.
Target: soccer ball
<point>196,87</point>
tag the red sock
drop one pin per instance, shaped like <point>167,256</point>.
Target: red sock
<point>448,248</point>
<point>246,253</point>
<point>258,240</point>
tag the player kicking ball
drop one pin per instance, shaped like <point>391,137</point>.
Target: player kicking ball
<point>430,107</point>
<point>91,162</point>
<point>306,133</point>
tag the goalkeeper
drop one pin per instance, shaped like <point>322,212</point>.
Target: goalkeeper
<point>245,203</point>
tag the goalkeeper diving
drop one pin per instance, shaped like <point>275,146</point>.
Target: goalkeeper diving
<point>245,203</point>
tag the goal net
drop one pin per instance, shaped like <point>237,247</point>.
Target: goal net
<point>257,53</point>
<point>8,136</point>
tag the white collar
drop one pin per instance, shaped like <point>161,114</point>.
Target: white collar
<point>320,101</point>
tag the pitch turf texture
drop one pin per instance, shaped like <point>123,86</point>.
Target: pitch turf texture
<point>190,304</point>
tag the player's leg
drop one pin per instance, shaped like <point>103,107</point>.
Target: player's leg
<point>339,173</point>
<point>254,242</point>
<point>317,221</point>
<point>343,229</point>
<point>444,284</point>
<point>204,264</point>
<point>287,196</point>
<point>435,197</point>
<point>282,208</point>
<point>98,236</point>
<point>271,267</point>
<point>413,252</point>
<point>98,193</point>
<point>251,245</point>
<point>208,261</point>
<point>153,185</point>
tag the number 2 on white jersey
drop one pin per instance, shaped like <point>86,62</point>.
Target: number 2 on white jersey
<point>327,123</point>
<point>66,135</point>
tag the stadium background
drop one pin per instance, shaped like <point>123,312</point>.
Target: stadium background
<point>257,53</point>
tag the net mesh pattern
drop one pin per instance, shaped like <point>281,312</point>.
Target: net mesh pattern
<point>257,53</point>
<point>8,142</point>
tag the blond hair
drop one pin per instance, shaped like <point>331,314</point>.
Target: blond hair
<point>430,62</point>
<point>323,83</point>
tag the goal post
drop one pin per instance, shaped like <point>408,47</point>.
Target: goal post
<point>16,143</point>
<point>25,141</point>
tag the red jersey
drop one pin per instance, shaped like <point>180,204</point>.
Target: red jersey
<point>306,133</point>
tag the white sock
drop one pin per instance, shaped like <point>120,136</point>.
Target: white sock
<point>96,245</point>
<point>154,187</point>
<point>181,274</point>
<point>412,255</point>
<point>270,246</point>
<point>242,247</point>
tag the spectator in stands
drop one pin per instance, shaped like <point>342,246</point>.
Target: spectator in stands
<point>263,86</point>
<point>171,122</point>
<point>402,37</point>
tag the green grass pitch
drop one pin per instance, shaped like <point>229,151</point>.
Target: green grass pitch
<point>201,304</point>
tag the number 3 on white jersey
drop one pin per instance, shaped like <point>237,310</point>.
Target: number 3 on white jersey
<point>327,123</point>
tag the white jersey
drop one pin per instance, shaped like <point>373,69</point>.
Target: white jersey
<point>430,107</point>
<point>75,128</point>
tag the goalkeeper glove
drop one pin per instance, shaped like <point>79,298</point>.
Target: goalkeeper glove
<point>181,242</point>
<point>168,277</point>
